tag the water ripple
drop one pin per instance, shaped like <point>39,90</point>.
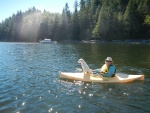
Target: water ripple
<point>29,81</point>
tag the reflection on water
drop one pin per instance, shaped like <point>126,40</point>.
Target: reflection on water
<point>29,78</point>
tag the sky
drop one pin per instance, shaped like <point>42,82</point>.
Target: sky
<point>10,7</point>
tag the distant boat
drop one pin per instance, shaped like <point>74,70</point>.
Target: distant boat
<point>46,41</point>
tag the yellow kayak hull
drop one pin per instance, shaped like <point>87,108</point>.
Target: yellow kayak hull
<point>80,76</point>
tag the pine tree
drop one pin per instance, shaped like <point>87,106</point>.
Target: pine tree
<point>131,20</point>
<point>66,22</point>
<point>102,26</point>
<point>83,21</point>
<point>75,23</point>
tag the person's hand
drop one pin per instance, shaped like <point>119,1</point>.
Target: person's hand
<point>102,72</point>
<point>86,72</point>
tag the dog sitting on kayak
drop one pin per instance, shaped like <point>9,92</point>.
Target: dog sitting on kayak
<point>103,71</point>
<point>85,67</point>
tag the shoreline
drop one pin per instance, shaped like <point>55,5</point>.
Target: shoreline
<point>110,42</point>
<point>94,41</point>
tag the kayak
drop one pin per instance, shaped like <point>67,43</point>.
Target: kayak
<point>81,76</point>
<point>87,75</point>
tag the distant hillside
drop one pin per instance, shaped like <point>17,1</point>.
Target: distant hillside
<point>91,19</point>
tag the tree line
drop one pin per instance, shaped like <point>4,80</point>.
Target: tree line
<point>91,19</point>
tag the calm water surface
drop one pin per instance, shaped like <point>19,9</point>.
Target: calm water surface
<point>29,78</point>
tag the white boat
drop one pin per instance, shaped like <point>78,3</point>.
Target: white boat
<point>47,41</point>
<point>87,76</point>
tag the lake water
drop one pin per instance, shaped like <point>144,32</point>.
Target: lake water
<point>29,78</point>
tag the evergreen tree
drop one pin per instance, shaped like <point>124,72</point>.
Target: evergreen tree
<point>66,22</point>
<point>143,15</point>
<point>75,23</point>
<point>17,20</point>
<point>95,8</point>
<point>131,20</point>
<point>101,19</point>
<point>83,21</point>
<point>102,26</point>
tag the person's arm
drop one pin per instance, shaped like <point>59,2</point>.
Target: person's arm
<point>97,70</point>
<point>110,72</point>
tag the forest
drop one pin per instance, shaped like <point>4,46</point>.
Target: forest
<point>90,19</point>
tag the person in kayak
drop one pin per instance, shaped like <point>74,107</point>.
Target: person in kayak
<point>108,69</point>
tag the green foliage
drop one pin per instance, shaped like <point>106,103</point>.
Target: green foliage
<point>98,19</point>
<point>147,20</point>
<point>66,23</point>
<point>75,23</point>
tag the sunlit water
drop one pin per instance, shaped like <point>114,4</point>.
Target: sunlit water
<point>29,78</point>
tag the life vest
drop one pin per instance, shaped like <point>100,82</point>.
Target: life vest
<point>105,68</point>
